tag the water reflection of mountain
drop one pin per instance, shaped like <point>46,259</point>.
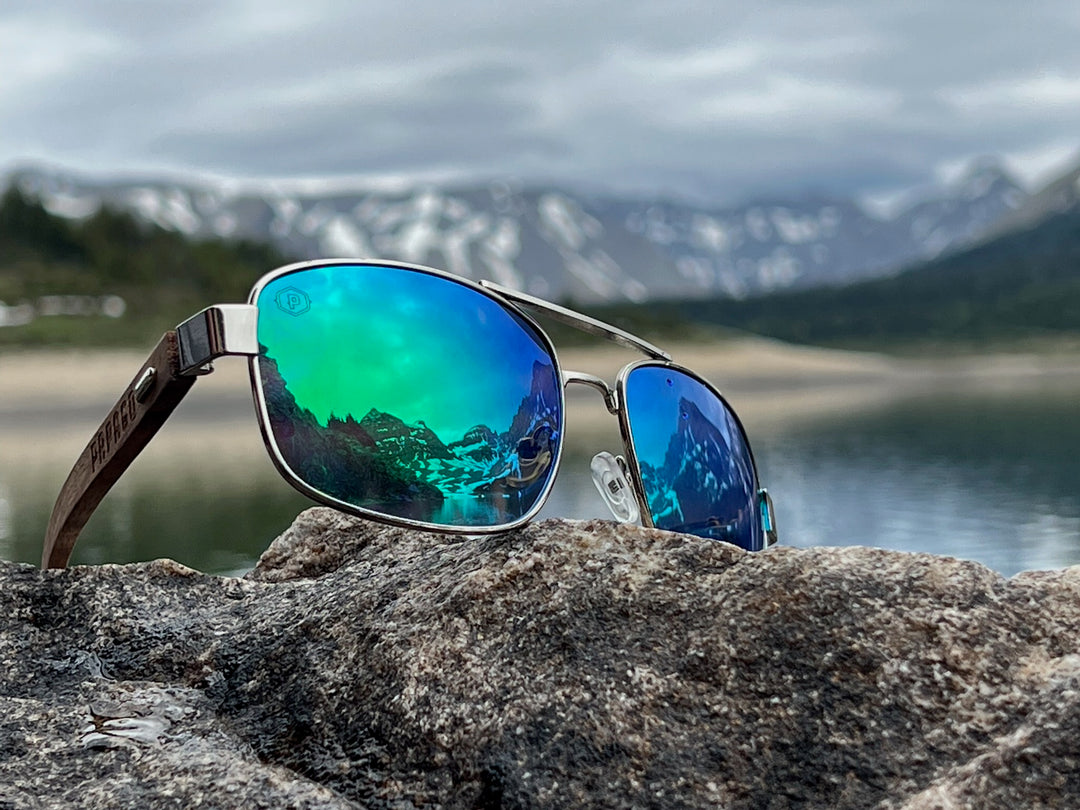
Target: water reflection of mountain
<point>382,462</point>
<point>701,486</point>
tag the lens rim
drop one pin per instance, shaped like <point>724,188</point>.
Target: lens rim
<point>263,417</point>
<point>634,464</point>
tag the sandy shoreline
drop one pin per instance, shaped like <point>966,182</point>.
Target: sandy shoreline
<point>765,380</point>
<point>746,364</point>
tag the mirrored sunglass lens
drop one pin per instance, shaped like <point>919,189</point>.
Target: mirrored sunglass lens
<point>408,394</point>
<point>693,458</point>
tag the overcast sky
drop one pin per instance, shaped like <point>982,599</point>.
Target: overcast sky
<point>724,98</point>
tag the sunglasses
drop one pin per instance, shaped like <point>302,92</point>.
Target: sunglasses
<point>417,398</point>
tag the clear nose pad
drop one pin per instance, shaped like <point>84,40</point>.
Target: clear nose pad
<point>609,475</point>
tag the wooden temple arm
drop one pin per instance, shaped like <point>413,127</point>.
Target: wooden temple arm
<point>156,390</point>
<point>174,365</point>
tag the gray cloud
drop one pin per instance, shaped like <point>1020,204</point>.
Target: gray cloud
<point>717,98</point>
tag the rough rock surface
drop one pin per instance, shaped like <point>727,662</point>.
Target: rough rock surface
<point>564,665</point>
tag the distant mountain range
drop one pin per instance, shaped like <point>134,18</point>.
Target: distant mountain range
<point>1059,196</point>
<point>567,245</point>
<point>1020,285</point>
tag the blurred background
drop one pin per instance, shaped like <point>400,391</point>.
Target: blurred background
<point>861,221</point>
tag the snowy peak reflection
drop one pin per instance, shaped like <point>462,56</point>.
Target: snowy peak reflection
<point>381,459</point>
<point>703,487</point>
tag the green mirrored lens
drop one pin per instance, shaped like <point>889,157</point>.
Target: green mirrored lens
<point>408,394</point>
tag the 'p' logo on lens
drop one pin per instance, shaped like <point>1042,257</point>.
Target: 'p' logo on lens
<point>292,301</point>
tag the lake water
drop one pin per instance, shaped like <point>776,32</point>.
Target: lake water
<point>991,475</point>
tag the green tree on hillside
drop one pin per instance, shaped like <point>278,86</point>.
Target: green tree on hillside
<point>162,275</point>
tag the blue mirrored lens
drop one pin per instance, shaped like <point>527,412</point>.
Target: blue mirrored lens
<point>408,394</point>
<point>693,457</point>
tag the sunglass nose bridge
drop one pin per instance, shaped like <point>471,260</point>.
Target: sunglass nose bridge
<point>596,383</point>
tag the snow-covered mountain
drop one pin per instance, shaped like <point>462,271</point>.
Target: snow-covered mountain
<point>1060,195</point>
<point>562,244</point>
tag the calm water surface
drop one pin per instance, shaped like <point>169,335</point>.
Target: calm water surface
<point>992,477</point>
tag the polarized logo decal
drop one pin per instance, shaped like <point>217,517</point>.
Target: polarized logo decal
<point>292,301</point>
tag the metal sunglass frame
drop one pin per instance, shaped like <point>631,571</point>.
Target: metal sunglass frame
<point>764,500</point>
<point>222,330</point>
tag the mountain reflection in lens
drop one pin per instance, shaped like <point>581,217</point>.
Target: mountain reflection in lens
<point>692,457</point>
<point>408,394</point>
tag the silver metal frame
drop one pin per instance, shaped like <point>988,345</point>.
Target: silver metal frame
<point>321,497</point>
<point>634,464</point>
<point>578,320</point>
<point>232,329</point>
